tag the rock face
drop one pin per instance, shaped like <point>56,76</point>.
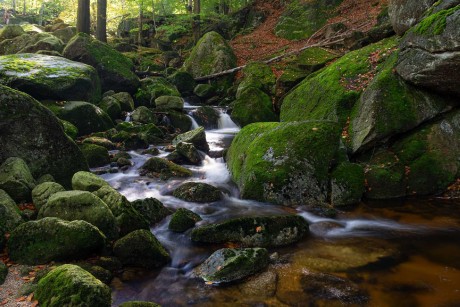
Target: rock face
<point>198,192</point>
<point>16,179</point>
<point>70,285</point>
<point>50,77</point>
<point>406,13</point>
<point>430,52</point>
<point>29,131</point>
<point>267,231</point>
<point>114,69</point>
<point>227,264</point>
<point>52,239</point>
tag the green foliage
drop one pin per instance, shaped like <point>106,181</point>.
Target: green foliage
<point>436,23</point>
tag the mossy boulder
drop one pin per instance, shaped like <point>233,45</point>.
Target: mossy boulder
<point>332,92</point>
<point>179,120</point>
<point>42,192</point>
<point>161,168</point>
<point>70,285</point>
<point>301,19</point>
<point>169,102</point>
<point>65,34</point>
<point>152,88</point>
<point>347,184</point>
<point>152,209</point>
<point>205,91</point>
<point>52,239</point>
<point>111,106</point>
<point>197,137</point>
<point>10,216</point>
<point>16,179</point>
<point>182,220</point>
<point>29,131</point>
<point>81,205</point>
<point>50,77</point>
<point>96,140</point>
<point>115,70</point>
<point>125,100</point>
<point>143,115</point>
<point>253,105</point>
<point>206,116</point>
<point>141,248</point>
<point>284,163</point>
<point>11,31</point>
<point>43,43</point>
<point>70,130</point>
<point>198,192</point>
<point>258,231</point>
<point>229,264</point>
<point>406,13</point>
<point>189,153</point>
<point>95,155</point>
<point>86,181</point>
<point>183,81</point>
<point>259,75</point>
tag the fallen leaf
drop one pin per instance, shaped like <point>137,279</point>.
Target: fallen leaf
<point>258,228</point>
<point>29,298</point>
<point>35,304</point>
<point>21,299</point>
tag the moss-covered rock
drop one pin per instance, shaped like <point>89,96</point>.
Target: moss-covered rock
<point>206,116</point>
<point>152,209</point>
<point>184,82</point>
<point>50,77</point>
<point>189,153</point>
<point>51,239</point>
<point>284,163</point>
<point>125,100</point>
<point>16,179</point>
<point>81,205</point>
<point>99,141</point>
<point>228,264</point>
<point>169,102</point>
<point>347,184</point>
<point>179,120</point>
<point>95,155</point>
<point>205,90</point>
<point>86,181</point>
<point>198,192</point>
<point>258,75</point>
<point>115,70</point>
<point>182,220</point>
<point>261,231</point>
<point>152,88</point>
<point>161,168</point>
<point>143,115</point>
<point>10,216</point>
<point>253,105</point>
<point>29,131</point>
<point>43,43</point>
<point>70,285</point>
<point>65,34</point>
<point>42,192</point>
<point>111,106</point>
<point>197,137</point>
<point>69,129</point>
<point>11,31</point>
<point>141,248</point>
<point>406,13</point>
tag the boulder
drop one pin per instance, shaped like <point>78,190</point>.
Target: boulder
<point>141,248</point>
<point>189,153</point>
<point>52,239</point>
<point>11,31</point>
<point>261,231</point>
<point>143,115</point>
<point>161,168</point>
<point>87,117</point>
<point>198,192</point>
<point>284,163</point>
<point>206,116</point>
<point>229,264</point>
<point>42,192</point>
<point>65,34</point>
<point>178,120</point>
<point>430,55</point>
<point>36,135</point>
<point>115,70</point>
<point>16,179</point>
<point>197,137</point>
<point>70,285</point>
<point>95,155</point>
<point>111,106</point>
<point>406,13</point>
<point>70,130</point>
<point>152,88</point>
<point>10,216</point>
<point>125,100</point>
<point>347,184</point>
<point>100,141</point>
<point>42,43</point>
<point>258,75</point>
<point>169,102</point>
<point>49,77</point>
<point>86,181</point>
<point>152,209</point>
<point>205,91</point>
<point>81,205</point>
<point>183,81</point>
<point>253,105</point>
<point>182,220</point>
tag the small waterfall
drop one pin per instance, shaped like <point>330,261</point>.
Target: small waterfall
<point>128,117</point>
<point>225,122</point>
<point>194,123</point>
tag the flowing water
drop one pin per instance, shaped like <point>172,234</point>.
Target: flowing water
<point>398,253</point>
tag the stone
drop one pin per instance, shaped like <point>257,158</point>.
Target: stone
<point>262,285</point>
<point>81,205</point>
<point>228,264</point>
<point>111,106</point>
<point>16,179</point>
<point>70,285</point>
<point>258,75</point>
<point>125,100</point>
<point>65,34</point>
<point>70,130</point>
<point>204,91</point>
<point>52,239</point>
<point>253,105</point>
<point>10,216</point>
<point>347,184</point>
<point>42,192</point>
<point>50,77</point>
<point>143,115</point>
<point>266,231</point>
<point>182,220</point>
<point>86,181</point>
<point>95,155</point>
<point>36,136</point>
<point>11,31</point>
<point>189,153</point>
<point>198,192</point>
<point>141,248</point>
<point>406,13</point>
<point>183,81</point>
<point>99,141</point>
<point>169,102</point>
<point>161,168</point>
<point>152,209</point>
<point>197,137</point>
<point>152,88</point>
<point>206,116</point>
<point>43,43</point>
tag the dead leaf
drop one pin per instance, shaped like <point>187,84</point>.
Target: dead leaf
<point>30,297</point>
<point>258,229</point>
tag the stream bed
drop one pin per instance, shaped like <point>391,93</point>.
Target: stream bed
<point>398,253</point>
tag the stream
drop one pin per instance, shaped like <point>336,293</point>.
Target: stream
<point>401,253</point>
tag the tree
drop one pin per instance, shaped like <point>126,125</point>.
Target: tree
<point>83,16</point>
<point>196,20</point>
<point>101,27</point>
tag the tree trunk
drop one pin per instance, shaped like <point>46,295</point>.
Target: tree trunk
<point>140,23</point>
<point>13,6</point>
<point>190,6</point>
<point>83,17</point>
<point>40,15</point>
<point>196,20</point>
<point>24,8</point>
<point>101,28</point>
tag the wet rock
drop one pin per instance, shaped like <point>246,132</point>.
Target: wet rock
<point>182,220</point>
<point>95,155</point>
<point>198,192</point>
<point>143,115</point>
<point>81,205</point>
<point>347,184</point>
<point>86,181</point>
<point>406,13</point>
<point>207,117</point>
<point>42,192</point>
<point>16,179</point>
<point>125,100</point>
<point>112,107</point>
<point>260,286</point>
<point>169,102</point>
<point>189,153</point>
<point>71,285</point>
<point>141,248</point>
<point>164,169</point>
<point>227,264</point>
<point>123,163</point>
<point>152,88</point>
<point>99,141</point>
<point>183,81</point>
<point>197,137</point>
<point>179,121</point>
<point>204,91</point>
<point>10,216</point>
<point>52,239</point>
<point>152,209</point>
<point>265,231</point>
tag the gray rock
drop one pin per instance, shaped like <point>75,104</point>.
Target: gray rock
<point>152,209</point>
<point>198,192</point>
<point>10,216</point>
<point>42,192</point>
<point>169,102</point>
<point>197,137</point>
<point>406,13</point>
<point>16,179</point>
<point>182,220</point>
<point>86,181</point>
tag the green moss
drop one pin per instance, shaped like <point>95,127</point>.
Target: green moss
<point>182,220</point>
<point>86,181</point>
<point>152,88</point>
<point>260,75</point>
<point>314,57</point>
<point>95,155</point>
<point>198,192</point>
<point>164,169</point>
<point>436,23</point>
<point>70,129</point>
<point>253,105</point>
<point>347,184</point>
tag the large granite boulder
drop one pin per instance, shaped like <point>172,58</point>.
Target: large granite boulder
<point>253,105</point>
<point>52,239</point>
<point>50,77</point>
<point>30,131</point>
<point>115,70</point>
<point>32,43</point>
<point>406,13</point>
<point>16,179</point>
<point>86,181</point>
<point>430,53</point>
